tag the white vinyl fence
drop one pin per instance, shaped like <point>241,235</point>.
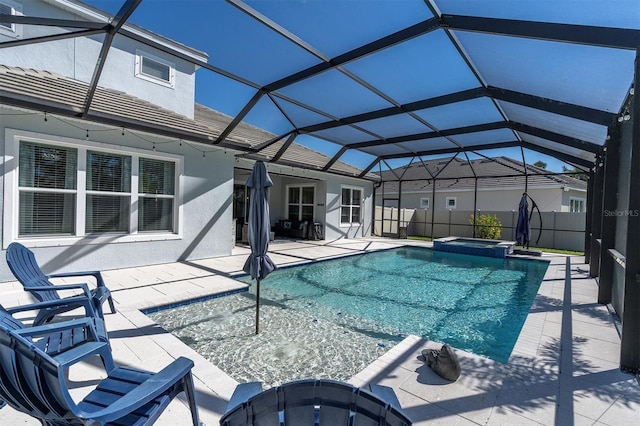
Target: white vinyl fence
<point>560,230</point>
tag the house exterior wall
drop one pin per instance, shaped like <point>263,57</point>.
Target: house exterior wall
<point>547,199</point>
<point>560,230</point>
<point>567,196</point>
<point>333,228</point>
<point>206,190</point>
<point>328,193</point>
<point>205,187</point>
<point>76,58</point>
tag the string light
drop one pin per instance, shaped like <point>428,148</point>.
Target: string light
<point>122,132</point>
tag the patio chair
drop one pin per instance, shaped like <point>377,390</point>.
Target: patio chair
<point>24,266</point>
<point>57,340</point>
<point>34,382</point>
<point>54,339</point>
<point>313,402</point>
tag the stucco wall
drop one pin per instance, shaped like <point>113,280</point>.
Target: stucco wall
<point>328,188</point>
<point>207,208</point>
<point>561,230</point>
<point>333,229</point>
<point>76,58</point>
<point>547,199</point>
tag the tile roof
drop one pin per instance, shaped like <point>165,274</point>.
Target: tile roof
<point>54,93</point>
<point>499,172</point>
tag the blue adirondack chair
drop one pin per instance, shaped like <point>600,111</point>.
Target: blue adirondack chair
<point>34,381</point>
<point>314,402</point>
<point>90,328</point>
<point>55,339</point>
<point>24,266</point>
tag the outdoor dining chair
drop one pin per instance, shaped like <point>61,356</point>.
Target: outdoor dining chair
<point>34,382</point>
<point>314,402</point>
<point>24,266</point>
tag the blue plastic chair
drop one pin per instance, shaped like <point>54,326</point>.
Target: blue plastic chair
<point>34,382</point>
<point>54,339</point>
<point>24,266</point>
<point>314,402</point>
<point>57,341</point>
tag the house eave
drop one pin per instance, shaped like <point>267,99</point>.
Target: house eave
<point>92,14</point>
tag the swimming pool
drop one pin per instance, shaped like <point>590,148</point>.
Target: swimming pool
<point>333,318</point>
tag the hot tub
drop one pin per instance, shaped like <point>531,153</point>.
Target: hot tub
<point>474,246</point>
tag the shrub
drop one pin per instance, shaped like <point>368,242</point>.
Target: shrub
<point>487,226</point>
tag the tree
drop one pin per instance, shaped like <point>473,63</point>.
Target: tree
<point>540,164</point>
<point>580,174</point>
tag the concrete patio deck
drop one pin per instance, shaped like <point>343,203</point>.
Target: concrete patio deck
<point>563,370</point>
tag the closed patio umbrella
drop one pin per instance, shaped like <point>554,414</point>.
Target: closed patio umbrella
<point>259,265</point>
<point>523,227</point>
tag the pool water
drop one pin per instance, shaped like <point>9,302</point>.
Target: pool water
<point>331,319</point>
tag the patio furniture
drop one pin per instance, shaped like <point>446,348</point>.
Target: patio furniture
<point>54,339</point>
<point>291,228</point>
<point>34,382</point>
<point>90,328</point>
<point>313,402</point>
<point>24,266</point>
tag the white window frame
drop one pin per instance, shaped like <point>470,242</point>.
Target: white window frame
<point>16,29</point>
<point>140,74</point>
<point>360,219</point>
<point>455,203</point>
<point>300,204</point>
<point>582,202</point>
<point>425,202</point>
<point>11,193</point>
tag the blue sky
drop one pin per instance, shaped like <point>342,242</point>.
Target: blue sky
<point>332,27</point>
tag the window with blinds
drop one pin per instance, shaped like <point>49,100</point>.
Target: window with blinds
<point>122,193</point>
<point>350,206</point>
<point>108,193</point>
<point>157,191</point>
<point>47,187</point>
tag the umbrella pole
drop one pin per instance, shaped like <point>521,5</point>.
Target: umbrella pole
<point>257,305</point>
